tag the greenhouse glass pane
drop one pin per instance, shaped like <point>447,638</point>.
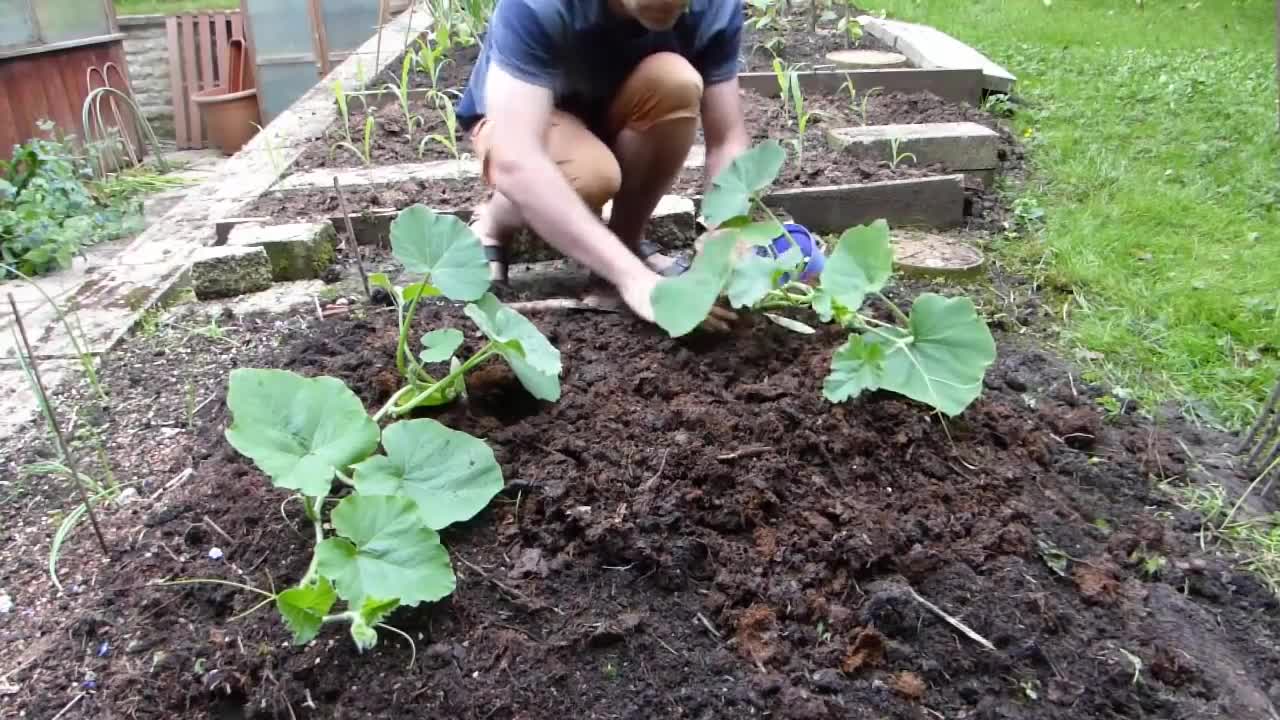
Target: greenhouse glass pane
<point>63,20</point>
<point>15,24</point>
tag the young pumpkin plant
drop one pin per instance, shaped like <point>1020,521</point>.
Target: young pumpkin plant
<point>937,354</point>
<point>451,259</point>
<point>384,550</point>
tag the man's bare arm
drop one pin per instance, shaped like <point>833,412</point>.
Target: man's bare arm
<point>524,173</point>
<point>723,127</point>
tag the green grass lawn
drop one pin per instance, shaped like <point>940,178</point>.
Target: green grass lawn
<point>1156,161</point>
<point>168,7</point>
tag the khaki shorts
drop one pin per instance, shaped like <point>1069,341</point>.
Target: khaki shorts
<point>664,86</point>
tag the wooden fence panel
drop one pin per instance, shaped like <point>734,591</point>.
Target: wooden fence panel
<point>198,44</point>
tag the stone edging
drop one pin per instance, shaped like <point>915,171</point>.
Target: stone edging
<point>927,47</point>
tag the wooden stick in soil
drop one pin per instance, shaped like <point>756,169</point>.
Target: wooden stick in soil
<point>382,20</point>
<point>57,430</point>
<point>352,245</point>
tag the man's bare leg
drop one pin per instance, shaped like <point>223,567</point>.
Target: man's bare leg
<point>650,161</point>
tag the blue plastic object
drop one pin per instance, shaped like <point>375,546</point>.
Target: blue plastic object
<point>798,235</point>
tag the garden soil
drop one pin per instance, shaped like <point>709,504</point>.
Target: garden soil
<point>690,532</point>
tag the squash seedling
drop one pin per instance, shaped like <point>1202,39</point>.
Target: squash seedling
<point>938,354</point>
<point>384,551</point>
<point>449,255</point>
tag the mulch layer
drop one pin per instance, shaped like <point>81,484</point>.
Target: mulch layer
<point>691,532</point>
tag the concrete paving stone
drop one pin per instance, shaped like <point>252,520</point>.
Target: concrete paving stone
<point>18,399</point>
<point>298,251</point>
<point>928,47</point>
<point>220,272</point>
<point>383,175</point>
<point>956,145</point>
<point>866,59</point>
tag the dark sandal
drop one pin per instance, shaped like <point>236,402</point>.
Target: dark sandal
<point>497,254</point>
<point>679,264</point>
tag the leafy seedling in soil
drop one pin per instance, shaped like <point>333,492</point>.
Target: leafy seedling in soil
<point>401,91</point>
<point>449,255</point>
<point>430,57</point>
<point>449,138</point>
<point>896,157</point>
<point>938,354</point>
<point>384,551</point>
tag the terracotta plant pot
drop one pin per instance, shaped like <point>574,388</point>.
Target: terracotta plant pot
<point>230,117</point>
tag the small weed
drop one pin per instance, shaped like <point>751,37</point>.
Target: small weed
<point>896,158</point>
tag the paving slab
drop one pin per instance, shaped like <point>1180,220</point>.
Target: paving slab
<point>950,84</point>
<point>866,59</point>
<point>298,251</point>
<point>928,47</point>
<point>955,145</point>
<point>18,400</point>
<point>222,272</point>
<point>926,254</point>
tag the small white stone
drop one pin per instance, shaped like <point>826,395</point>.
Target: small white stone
<point>127,496</point>
<point>215,553</point>
<point>6,603</point>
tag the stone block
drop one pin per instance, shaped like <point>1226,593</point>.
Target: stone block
<point>298,251</point>
<point>220,272</point>
<point>928,47</point>
<point>955,146</point>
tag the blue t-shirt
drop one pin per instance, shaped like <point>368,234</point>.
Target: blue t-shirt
<point>583,51</point>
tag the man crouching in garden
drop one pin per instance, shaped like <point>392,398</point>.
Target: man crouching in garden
<point>573,103</point>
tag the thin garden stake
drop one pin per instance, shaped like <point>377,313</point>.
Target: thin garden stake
<point>352,245</point>
<point>57,431</point>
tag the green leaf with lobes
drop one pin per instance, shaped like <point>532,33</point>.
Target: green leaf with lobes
<point>298,430</point>
<point>440,345</point>
<point>384,551</point>
<point>939,360</point>
<point>304,607</point>
<point>749,173</point>
<point>449,474</point>
<point>535,361</point>
<point>444,249</point>
<point>753,278</point>
<point>682,302</point>
<point>860,264</point>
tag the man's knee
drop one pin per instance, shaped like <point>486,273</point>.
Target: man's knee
<point>596,178</point>
<point>672,78</point>
<point>664,86</point>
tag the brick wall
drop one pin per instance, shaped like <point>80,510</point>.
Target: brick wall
<point>147,52</point>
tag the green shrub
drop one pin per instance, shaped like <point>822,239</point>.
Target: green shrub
<point>48,210</point>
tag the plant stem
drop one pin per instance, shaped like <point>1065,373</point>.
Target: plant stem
<point>483,354</point>
<point>57,430</point>
<point>317,520</point>
<point>897,311</point>
<point>402,345</point>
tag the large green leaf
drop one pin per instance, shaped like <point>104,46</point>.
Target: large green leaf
<point>682,302</point>
<point>298,430</point>
<point>533,358</point>
<point>303,609</point>
<point>449,474</point>
<point>748,174</point>
<point>384,552</point>
<point>443,248</point>
<point>939,360</point>
<point>753,277</point>
<point>440,345</point>
<point>860,264</point>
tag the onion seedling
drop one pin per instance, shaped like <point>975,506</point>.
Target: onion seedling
<point>401,92</point>
<point>896,157</point>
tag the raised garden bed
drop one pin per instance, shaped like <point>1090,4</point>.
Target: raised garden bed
<point>690,532</point>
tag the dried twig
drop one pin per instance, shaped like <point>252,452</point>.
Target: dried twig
<point>57,431</point>
<point>554,304</point>
<point>745,453</point>
<point>952,620</point>
<point>707,624</point>
<point>506,588</point>
<point>67,708</point>
<point>352,245</point>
